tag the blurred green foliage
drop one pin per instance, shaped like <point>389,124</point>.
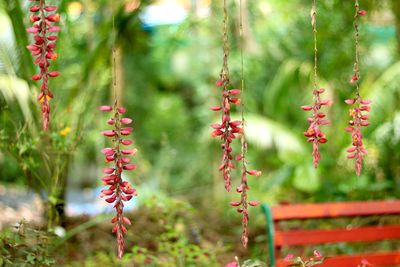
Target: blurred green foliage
<point>25,246</point>
<point>167,81</point>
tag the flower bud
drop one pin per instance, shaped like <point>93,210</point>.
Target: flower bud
<point>216,108</point>
<point>34,8</point>
<point>32,30</point>
<point>234,91</point>
<point>53,17</point>
<point>121,110</point>
<point>307,108</point>
<point>362,12</point>
<point>254,172</point>
<point>126,121</point>
<point>51,38</point>
<point>126,221</point>
<point>105,108</point>
<point>108,170</point>
<point>109,133</point>
<point>219,83</point>
<point>50,8</point>
<point>54,73</point>
<point>34,18</point>
<point>129,167</point>
<point>254,203</point>
<point>126,142</point>
<point>349,101</point>
<point>54,29</point>
<point>235,203</point>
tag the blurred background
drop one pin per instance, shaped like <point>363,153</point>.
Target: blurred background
<point>169,54</point>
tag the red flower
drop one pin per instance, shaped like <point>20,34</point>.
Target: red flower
<point>118,190</point>
<point>42,51</point>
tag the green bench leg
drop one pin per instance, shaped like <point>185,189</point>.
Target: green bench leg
<point>270,232</point>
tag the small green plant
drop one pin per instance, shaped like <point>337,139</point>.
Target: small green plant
<point>246,263</point>
<point>25,246</point>
<point>177,242</point>
<point>299,262</point>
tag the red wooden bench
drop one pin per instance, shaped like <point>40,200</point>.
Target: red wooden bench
<point>278,238</point>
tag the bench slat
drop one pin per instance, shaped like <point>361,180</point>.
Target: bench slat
<point>376,259</point>
<point>308,237</point>
<point>332,210</point>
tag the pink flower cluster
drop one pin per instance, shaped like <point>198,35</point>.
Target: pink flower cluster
<point>314,133</point>
<point>359,119</point>
<point>242,205</point>
<point>43,30</point>
<point>227,130</point>
<point>118,190</point>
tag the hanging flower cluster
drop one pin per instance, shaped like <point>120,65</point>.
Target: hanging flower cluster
<point>314,133</point>
<point>242,205</point>
<point>359,118</point>
<point>227,130</point>
<point>43,30</point>
<point>118,190</point>
<point>358,113</point>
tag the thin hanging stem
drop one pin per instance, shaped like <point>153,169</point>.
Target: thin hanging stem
<point>357,54</point>
<point>358,113</point>
<point>225,68</point>
<point>244,186</point>
<point>314,25</point>
<point>314,133</point>
<point>114,63</point>
<point>241,61</point>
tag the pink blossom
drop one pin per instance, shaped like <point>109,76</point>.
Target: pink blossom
<point>317,254</point>
<point>314,133</point>
<point>232,264</point>
<point>289,258</point>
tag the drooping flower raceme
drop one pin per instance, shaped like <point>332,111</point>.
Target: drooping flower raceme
<point>118,191</point>
<point>314,132</point>
<point>360,107</point>
<point>42,49</point>
<point>227,130</point>
<point>242,205</point>
<point>359,118</point>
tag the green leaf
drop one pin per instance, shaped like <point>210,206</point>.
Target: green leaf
<point>306,178</point>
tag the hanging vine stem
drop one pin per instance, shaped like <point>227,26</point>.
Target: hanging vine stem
<point>314,133</point>
<point>314,25</point>
<point>118,191</point>
<point>227,129</point>
<point>358,115</point>
<point>114,66</point>
<point>243,187</point>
